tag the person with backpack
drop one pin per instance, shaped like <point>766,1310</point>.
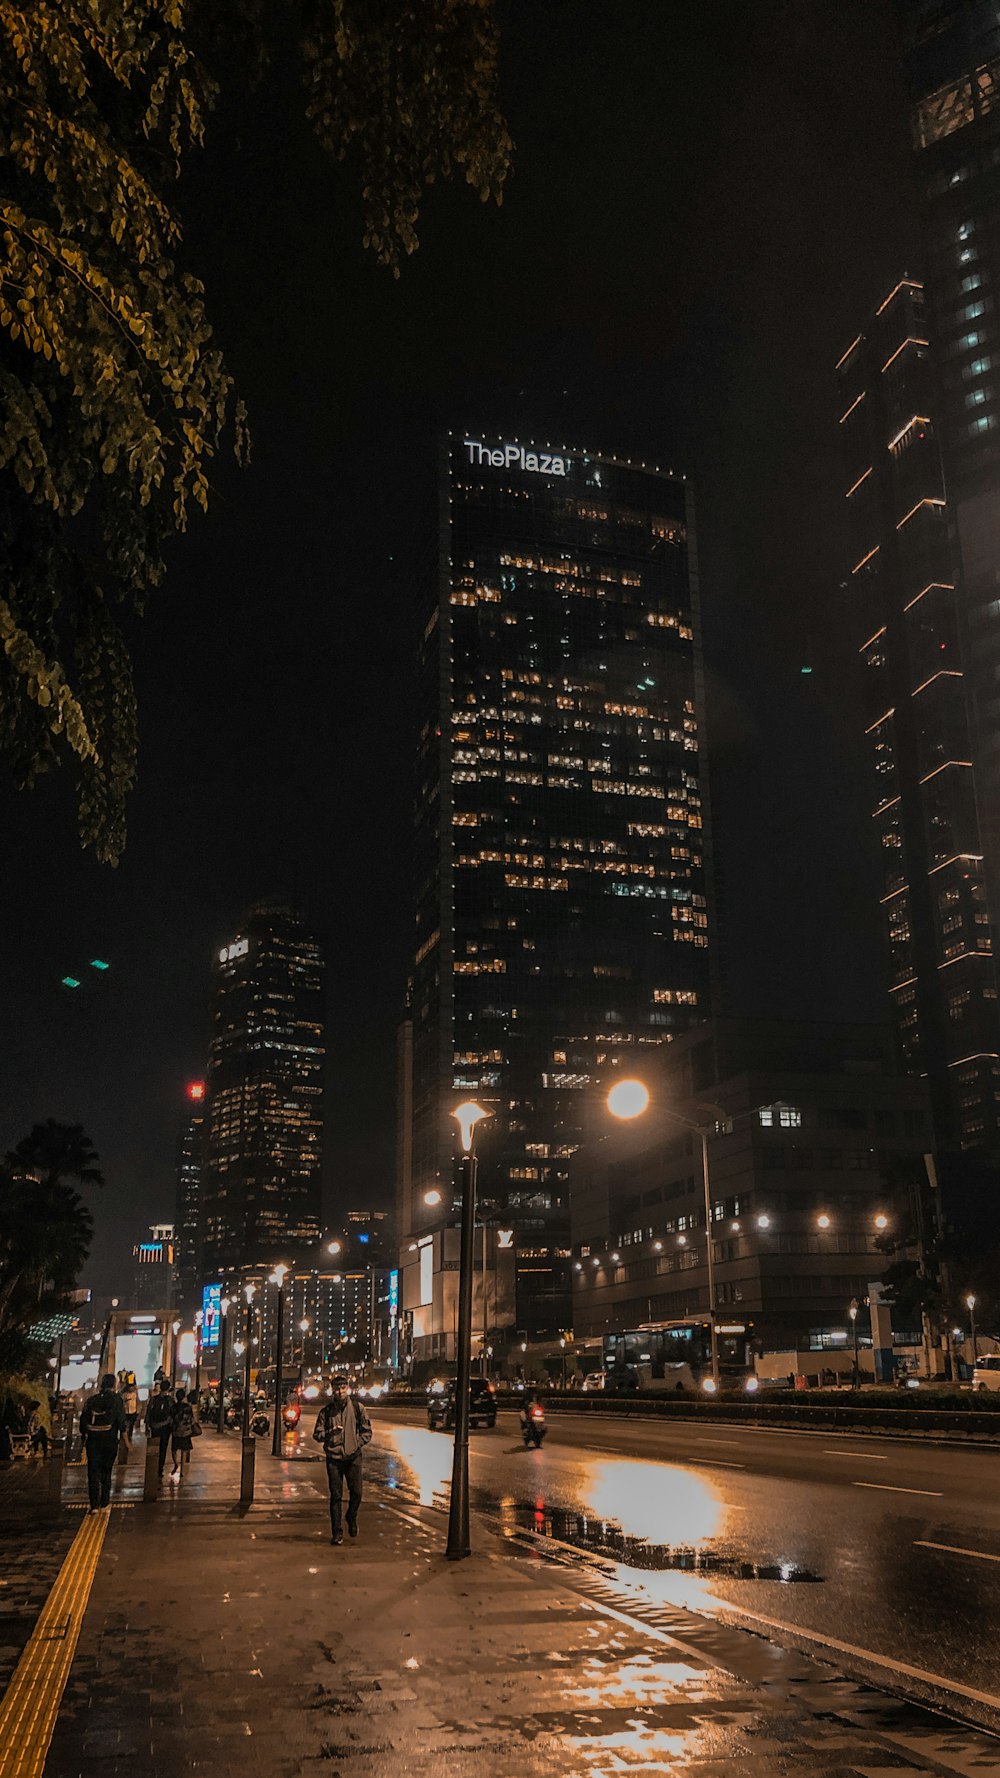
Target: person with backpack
<point>182,1432</point>
<point>129,1391</point>
<point>102,1426</point>
<point>343,1429</point>
<point>160,1421</point>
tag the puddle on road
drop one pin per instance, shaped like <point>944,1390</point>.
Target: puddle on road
<point>603,1537</point>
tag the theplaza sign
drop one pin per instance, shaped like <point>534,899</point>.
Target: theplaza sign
<point>515,456</point>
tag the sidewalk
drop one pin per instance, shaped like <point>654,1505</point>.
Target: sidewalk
<point>239,1640</point>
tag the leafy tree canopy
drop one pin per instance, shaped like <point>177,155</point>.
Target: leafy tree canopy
<point>114,400</point>
<point>45,1227</point>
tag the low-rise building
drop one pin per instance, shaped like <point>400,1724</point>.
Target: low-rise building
<point>814,1149</point>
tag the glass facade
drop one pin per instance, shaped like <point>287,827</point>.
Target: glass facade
<point>262,1189</point>
<point>905,609</point>
<point>187,1220</point>
<point>562,831</point>
<point>952,68</point>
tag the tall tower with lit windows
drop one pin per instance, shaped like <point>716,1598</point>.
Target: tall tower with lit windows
<point>905,609</point>
<point>952,69</point>
<point>261,1198</point>
<point>563,848</point>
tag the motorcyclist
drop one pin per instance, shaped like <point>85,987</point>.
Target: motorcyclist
<point>530,1399</point>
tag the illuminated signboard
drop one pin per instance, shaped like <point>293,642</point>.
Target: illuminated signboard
<point>211,1310</point>
<point>238,948</point>
<point>393,1295</point>
<point>515,456</point>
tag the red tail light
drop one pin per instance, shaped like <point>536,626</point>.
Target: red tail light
<point>538,1413</point>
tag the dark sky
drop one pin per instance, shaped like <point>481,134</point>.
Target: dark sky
<point>707,199</point>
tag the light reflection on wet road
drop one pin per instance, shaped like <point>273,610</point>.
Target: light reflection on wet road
<point>700,1526</point>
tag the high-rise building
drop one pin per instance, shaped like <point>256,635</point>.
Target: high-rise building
<point>154,1277</point>
<point>952,65</point>
<point>904,608</point>
<point>187,1217</point>
<point>562,842</point>
<point>262,1187</point>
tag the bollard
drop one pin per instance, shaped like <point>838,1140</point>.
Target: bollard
<point>150,1474</point>
<point>54,1471</point>
<point>247,1471</point>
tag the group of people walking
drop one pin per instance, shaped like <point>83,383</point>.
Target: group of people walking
<point>109,1417</point>
<point>108,1421</point>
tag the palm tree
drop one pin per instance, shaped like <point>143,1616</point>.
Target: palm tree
<point>45,1226</point>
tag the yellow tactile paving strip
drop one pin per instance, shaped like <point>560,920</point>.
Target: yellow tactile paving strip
<point>29,1709</point>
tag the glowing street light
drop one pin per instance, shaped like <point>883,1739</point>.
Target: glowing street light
<point>823,1222</point>
<point>467,1116</point>
<point>628,1099</point>
<point>881,1220</point>
<point>278,1277</point>
<point>432,1197</point>
<point>970,1303</point>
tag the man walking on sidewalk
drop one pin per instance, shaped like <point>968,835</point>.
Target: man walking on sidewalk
<point>343,1429</point>
<point>103,1425</point>
<point>160,1421</point>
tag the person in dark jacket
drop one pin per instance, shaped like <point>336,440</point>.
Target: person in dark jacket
<point>343,1429</point>
<point>160,1421</point>
<point>181,1432</point>
<point>102,1425</point>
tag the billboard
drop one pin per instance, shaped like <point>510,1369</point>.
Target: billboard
<point>211,1313</point>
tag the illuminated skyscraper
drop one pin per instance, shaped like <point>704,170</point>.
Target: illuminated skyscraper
<point>262,1190</point>
<point>562,844</point>
<point>905,613</point>
<point>190,1181</point>
<point>952,65</point>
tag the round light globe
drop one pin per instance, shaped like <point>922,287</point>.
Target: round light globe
<point>628,1098</point>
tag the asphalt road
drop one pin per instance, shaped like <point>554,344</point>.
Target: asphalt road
<point>888,1552</point>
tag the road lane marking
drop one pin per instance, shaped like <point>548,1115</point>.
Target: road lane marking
<point>953,1549</point>
<point>30,1707</point>
<point>722,1462</point>
<point>892,1666</point>
<point>707,1438</point>
<point>887,1488</point>
<point>866,1456</point>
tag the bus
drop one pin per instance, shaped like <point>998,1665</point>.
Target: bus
<point>677,1355</point>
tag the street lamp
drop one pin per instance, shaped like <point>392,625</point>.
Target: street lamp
<point>198,1323</point>
<point>853,1313</point>
<point>466,1116</point>
<point>249,1292</point>
<point>432,1197</point>
<point>630,1098</point>
<point>970,1303</point>
<point>333,1247</point>
<point>278,1277</point>
<point>220,1416</point>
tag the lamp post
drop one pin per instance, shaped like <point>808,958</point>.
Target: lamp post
<point>304,1326</point>
<point>249,1292</point>
<point>630,1098</point>
<point>467,1117</point>
<point>278,1277</point>
<point>220,1407</point>
<point>853,1313</point>
<point>970,1303</point>
<point>198,1324</point>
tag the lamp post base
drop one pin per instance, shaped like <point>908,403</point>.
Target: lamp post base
<point>247,1467</point>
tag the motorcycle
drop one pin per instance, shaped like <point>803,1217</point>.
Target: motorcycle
<point>290,1416</point>
<point>260,1424</point>
<point>533,1428</point>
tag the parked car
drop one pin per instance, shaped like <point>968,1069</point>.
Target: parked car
<point>987,1372</point>
<point>482,1405</point>
<point>594,1383</point>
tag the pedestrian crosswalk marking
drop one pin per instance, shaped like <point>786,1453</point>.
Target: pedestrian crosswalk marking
<point>31,1704</point>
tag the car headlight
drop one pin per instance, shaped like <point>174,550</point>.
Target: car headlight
<point>375,1391</point>
<point>709,1385</point>
<point>752,1385</point>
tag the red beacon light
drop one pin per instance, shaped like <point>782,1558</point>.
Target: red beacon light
<point>196,1090</point>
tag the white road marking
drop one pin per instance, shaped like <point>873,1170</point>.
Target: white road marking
<point>722,1462</point>
<point>953,1549</point>
<point>869,1456</point>
<point>887,1488</point>
<point>891,1665</point>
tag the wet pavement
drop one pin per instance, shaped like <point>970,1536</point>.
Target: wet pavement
<point>227,1638</point>
<point>902,1580</point>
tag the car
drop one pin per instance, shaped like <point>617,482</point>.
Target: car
<point>986,1374</point>
<point>482,1405</point>
<point>594,1383</point>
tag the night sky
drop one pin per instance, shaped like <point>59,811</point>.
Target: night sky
<point>707,199</point>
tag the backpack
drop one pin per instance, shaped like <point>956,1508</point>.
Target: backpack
<point>101,1418</point>
<point>183,1420</point>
